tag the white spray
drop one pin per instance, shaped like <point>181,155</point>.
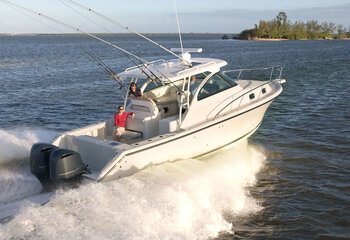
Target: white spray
<point>16,181</point>
<point>187,199</point>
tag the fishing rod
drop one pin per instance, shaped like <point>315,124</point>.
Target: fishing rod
<point>171,82</point>
<point>162,74</point>
<point>33,18</point>
<point>16,6</point>
<point>131,31</point>
<point>144,62</point>
<point>178,26</point>
<point>97,24</point>
<point>145,65</point>
<point>128,54</point>
<point>107,69</point>
<point>124,27</point>
<point>113,75</point>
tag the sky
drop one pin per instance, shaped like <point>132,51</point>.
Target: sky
<point>158,16</point>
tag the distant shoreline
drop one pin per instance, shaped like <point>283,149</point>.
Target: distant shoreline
<point>281,28</point>
<point>222,36</point>
<point>283,39</point>
<point>34,34</point>
<point>269,39</point>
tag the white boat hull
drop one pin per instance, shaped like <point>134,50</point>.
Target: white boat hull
<point>208,124</point>
<point>228,131</point>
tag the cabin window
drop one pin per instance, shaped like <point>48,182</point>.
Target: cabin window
<point>195,81</point>
<point>263,90</point>
<point>251,96</point>
<point>152,85</point>
<point>217,83</point>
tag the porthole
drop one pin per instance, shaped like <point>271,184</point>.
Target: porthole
<point>251,96</point>
<point>263,90</point>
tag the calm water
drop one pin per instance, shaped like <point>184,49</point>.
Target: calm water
<point>291,180</point>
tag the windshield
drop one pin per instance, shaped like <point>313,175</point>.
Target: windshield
<point>215,84</point>
<point>145,84</point>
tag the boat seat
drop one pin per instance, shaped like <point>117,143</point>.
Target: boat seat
<point>146,119</point>
<point>131,136</point>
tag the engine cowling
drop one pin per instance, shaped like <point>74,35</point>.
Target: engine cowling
<point>65,164</point>
<point>55,166</point>
<point>39,160</point>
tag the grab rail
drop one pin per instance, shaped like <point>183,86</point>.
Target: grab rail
<point>144,64</point>
<point>274,69</point>
<point>277,80</point>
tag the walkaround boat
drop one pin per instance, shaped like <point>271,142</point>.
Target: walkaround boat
<point>190,107</point>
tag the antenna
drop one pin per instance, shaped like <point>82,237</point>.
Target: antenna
<point>178,27</point>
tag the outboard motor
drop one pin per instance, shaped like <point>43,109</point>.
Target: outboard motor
<point>66,166</point>
<point>55,167</point>
<point>39,160</point>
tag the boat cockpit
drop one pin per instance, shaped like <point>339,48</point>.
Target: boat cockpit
<point>166,102</point>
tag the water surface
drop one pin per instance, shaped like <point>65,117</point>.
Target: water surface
<point>291,180</point>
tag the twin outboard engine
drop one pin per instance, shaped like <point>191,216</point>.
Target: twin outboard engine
<point>56,165</point>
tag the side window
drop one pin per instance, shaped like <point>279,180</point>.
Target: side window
<point>217,83</point>
<point>151,85</point>
<point>196,80</point>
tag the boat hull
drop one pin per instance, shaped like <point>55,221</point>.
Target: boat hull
<point>227,130</point>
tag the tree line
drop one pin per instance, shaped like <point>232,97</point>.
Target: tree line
<point>282,28</point>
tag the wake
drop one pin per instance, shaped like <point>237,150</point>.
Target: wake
<point>16,181</point>
<point>16,143</point>
<point>188,199</point>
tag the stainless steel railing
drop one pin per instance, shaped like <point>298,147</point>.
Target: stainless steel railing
<point>274,72</point>
<point>277,80</point>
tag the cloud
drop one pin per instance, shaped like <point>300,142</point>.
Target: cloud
<point>336,14</point>
<point>236,20</point>
<point>226,20</point>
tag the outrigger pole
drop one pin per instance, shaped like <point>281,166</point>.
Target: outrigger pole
<point>17,7</point>
<point>108,70</point>
<point>178,27</point>
<point>122,26</point>
<point>97,24</point>
<point>131,31</point>
<point>144,62</point>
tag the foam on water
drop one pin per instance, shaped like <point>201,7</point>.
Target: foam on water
<point>16,181</point>
<point>16,143</point>
<point>187,199</point>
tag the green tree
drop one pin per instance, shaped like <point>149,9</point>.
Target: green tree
<point>298,31</point>
<point>263,29</point>
<point>281,18</point>
<point>312,29</point>
<point>247,34</point>
<point>327,30</point>
<point>281,27</point>
<point>341,31</point>
<point>274,29</point>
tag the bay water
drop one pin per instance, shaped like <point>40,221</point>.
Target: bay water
<point>290,180</point>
